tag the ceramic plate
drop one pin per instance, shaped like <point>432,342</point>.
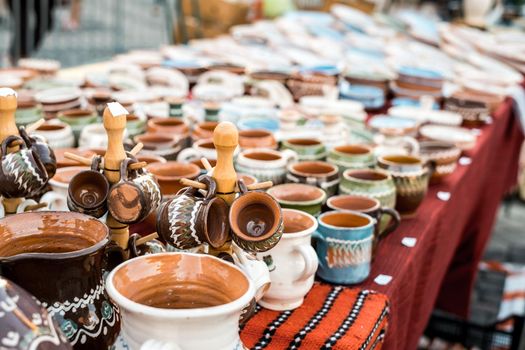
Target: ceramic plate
<point>461,137</point>
<point>58,95</point>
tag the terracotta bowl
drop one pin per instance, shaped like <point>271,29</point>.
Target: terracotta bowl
<point>169,174</point>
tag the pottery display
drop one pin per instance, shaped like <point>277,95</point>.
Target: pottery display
<point>173,126</point>
<point>306,198</point>
<point>93,136</point>
<point>150,247</point>
<point>56,199</point>
<point>292,263</point>
<point>135,125</point>
<point>351,157</point>
<point>168,175</point>
<point>78,119</point>
<point>265,164</point>
<point>60,257</point>
<point>444,155</point>
<point>203,130</point>
<point>386,145</point>
<point>42,150</point>
<point>372,183</point>
<point>306,149</point>
<point>163,145</point>
<point>203,148</point>
<point>463,138</point>
<point>57,134</point>
<point>28,112</point>
<point>256,138</point>
<point>474,113</point>
<point>321,174</point>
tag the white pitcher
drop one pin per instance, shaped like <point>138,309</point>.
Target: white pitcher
<point>481,13</point>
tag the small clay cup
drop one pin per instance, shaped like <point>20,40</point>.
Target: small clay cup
<point>204,130</point>
<point>168,126</point>
<point>169,174</point>
<point>88,191</point>
<point>351,157</point>
<point>165,145</point>
<point>373,183</point>
<point>256,138</point>
<point>307,198</point>
<point>444,155</point>
<point>317,173</point>
<point>306,149</point>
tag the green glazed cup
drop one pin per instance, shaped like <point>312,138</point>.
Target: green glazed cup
<point>78,119</point>
<point>352,157</point>
<point>306,198</point>
<point>370,183</point>
<point>306,149</point>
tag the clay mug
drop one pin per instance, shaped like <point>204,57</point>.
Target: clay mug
<point>445,156</point>
<point>317,173</point>
<point>57,134</point>
<point>292,262</point>
<point>372,183</point>
<point>78,119</point>
<point>88,191</point>
<point>351,157</point>
<point>386,145</point>
<point>56,199</point>
<point>265,164</point>
<point>307,198</point>
<point>173,126</point>
<point>306,149</point>
<point>135,196</point>
<point>22,174</point>
<point>203,131</point>
<point>189,220</point>
<point>45,153</point>
<point>180,301</point>
<point>344,243</point>
<point>167,146</point>
<point>256,220</point>
<point>169,174</point>
<point>203,148</point>
<point>256,138</point>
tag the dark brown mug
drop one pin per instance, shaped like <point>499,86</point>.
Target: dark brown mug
<point>135,196</point>
<point>22,174</point>
<point>88,191</point>
<point>189,220</point>
<point>39,145</point>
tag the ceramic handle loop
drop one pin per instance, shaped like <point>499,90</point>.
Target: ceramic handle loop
<point>311,261</point>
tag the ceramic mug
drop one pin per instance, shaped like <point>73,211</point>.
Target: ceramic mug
<point>56,199</point>
<point>292,262</point>
<point>189,220</point>
<point>57,134</point>
<point>445,156</point>
<point>169,174</point>
<point>371,183</point>
<point>306,149</point>
<point>78,119</point>
<point>256,269</point>
<point>135,196</point>
<point>317,173</point>
<point>203,131</point>
<point>164,145</point>
<point>88,191</point>
<point>344,242</point>
<point>386,145</point>
<point>203,148</point>
<point>182,300</point>
<point>172,126</point>
<point>265,164</point>
<point>306,198</point>
<point>351,157</point>
<point>256,138</point>
<point>40,147</point>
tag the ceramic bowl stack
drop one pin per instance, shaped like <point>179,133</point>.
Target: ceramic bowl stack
<point>372,97</point>
<point>413,82</point>
<point>58,100</point>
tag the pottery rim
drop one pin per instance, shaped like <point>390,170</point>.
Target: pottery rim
<point>192,170</point>
<point>305,231</point>
<point>379,175</point>
<point>264,155</point>
<point>376,204</point>
<point>308,164</point>
<point>398,159</point>
<point>359,150</point>
<point>90,174</point>
<point>347,213</point>
<point>321,199</point>
<point>254,133</point>
<point>304,142</point>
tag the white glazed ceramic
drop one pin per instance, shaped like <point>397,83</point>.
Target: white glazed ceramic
<point>404,145</point>
<point>257,270</point>
<point>271,168</point>
<point>56,199</point>
<point>293,263</point>
<point>57,134</point>
<point>463,138</point>
<point>95,136</point>
<point>200,149</point>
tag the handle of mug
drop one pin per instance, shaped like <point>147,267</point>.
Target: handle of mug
<point>290,156</point>
<point>23,133</point>
<point>210,183</point>
<point>95,163</point>
<point>310,261</point>
<point>53,200</point>
<point>316,236</point>
<point>2,209</point>
<point>8,141</point>
<point>124,168</point>
<point>413,145</point>
<point>187,155</point>
<point>25,203</point>
<point>392,225</point>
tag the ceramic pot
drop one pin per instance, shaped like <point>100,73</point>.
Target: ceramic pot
<point>39,146</point>
<point>78,119</point>
<point>351,157</point>
<point>21,315</point>
<point>169,174</point>
<point>411,177</point>
<point>203,148</point>
<point>255,220</point>
<point>22,174</point>
<point>94,136</point>
<point>175,107</point>
<point>99,100</point>
<point>306,149</point>
<point>292,262</point>
<point>173,126</point>
<point>376,184</point>
<point>56,199</point>
<point>343,243</point>
<point>321,174</point>
<point>57,134</point>
<point>474,113</point>
<point>265,164</point>
<point>188,220</point>
<point>135,125</point>
<point>387,145</point>
<point>59,257</point>
<point>182,300</point>
<point>203,131</point>
<point>256,138</point>
<point>27,113</point>
<point>306,198</point>
<point>247,179</point>
<point>444,155</point>
<point>159,144</point>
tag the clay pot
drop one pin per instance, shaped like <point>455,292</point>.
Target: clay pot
<point>265,164</point>
<point>444,155</point>
<point>168,126</point>
<point>150,159</point>
<point>78,119</point>
<point>351,157</point>
<point>57,197</point>
<point>376,184</point>
<point>169,174</point>
<point>247,179</point>
<point>203,148</point>
<point>164,145</point>
<point>256,138</point>
<point>306,149</point>
<point>57,134</point>
<point>204,130</point>
<point>321,174</point>
<point>198,163</point>
<point>307,198</point>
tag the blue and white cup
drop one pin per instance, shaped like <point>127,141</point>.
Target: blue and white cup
<point>343,242</point>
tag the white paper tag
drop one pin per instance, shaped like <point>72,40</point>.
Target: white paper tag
<point>444,196</point>
<point>4,92</point>
<point>383,280</point>
<point>117,109</point>
<point>465,160</point>
<point>409,242</point>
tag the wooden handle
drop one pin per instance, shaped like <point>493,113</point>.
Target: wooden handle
<point>195,184</point>
<point>31,128</point>
<point>138,147</point>
<point>206,164</point>
<point>146,239</point>
<point>138,165</point>
<point>80,159</point>
<point>201,186</point>
<point>260,185</point>
<point>36,206</point>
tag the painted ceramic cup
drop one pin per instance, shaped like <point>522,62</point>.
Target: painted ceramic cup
<point>256,138</point>
<point>411,177</point>
<point>186,301</point>
<point>22,174</point>
<point>292,262</point>
<point>78,119</point>
<point>352,157</point>
<point>56,199</point>
<point>306,149</point>
<point>306,198</point>
<point>376,184</point>
<point>256,220</point>
<point>317,173</point>
<point>57,134</point>
<point>444,155</point>
<point>188,220</point>
<point>265,164</point>
<point>135,196</point>
<point>21,315</point>
<point>344,243</point>
<point>201,149</point>
<point>60,258</point>
<point>169,174</point>
<point>88,191</point>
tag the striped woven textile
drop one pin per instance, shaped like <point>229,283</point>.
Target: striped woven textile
<point>331,317</point>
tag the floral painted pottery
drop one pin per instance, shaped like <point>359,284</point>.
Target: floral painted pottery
<point>411,177</point>
<point>203,130</point>
<point>292,262</point>
<point>164,145</point>
<point>255,220</point>
<point>25,324</point>
<point>203,148</point>
<point>376,184</point>
<point>57,134</point>
<point>22,173</point>
<point>180,301</point>
<point>307,198</point>
<point>444,155</point>
<point>59,257</point>
<point>169,174</point>
<point>189,220</point>
<point>265,164</point>
<point>78,119</point>
<point>56,199</point>
<point>343,242</point>
<point>256,138</point>
<point>306,149</point>
<point>351,157</point>
<point>135,125</point>
<point>321,174</point>
<point>463,138</point>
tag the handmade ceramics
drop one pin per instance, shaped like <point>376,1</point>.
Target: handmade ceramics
<point>188,220</point>
<point>59,257</point>
<point>203,148</point>
<point>198,162</point>
<point>293,263</point>
<point>351,157</point>
<point>169,174</point>
<point>256,138</point>
<point>22,174</point>
<point>203,130</point>
<point>376,184</point>
<point>393,126</point>
<point>150,247</point>
<point>411,177</point>
<point>175,126</point>
<point>135,196</point>
<point>386,144</point>
<point>27,112</point>
<point>39,146</point>
<point>149,158</point>
<point>56,199</point>
<point>307,198</point>
<point>78,119</point>
<point>481,13</point>
<point>94,136</point>
<point>444,155</point>
<point>265,164</point>
<point>164,145</point>
<point>474,113</point>
<point>135,125</point>
<point>180,300</point>
<point>57,134</point>
<point>321,174</point>
<point>25,324</point>
<point>463,138</point>
<point>306,149</point>
<point>343,243</point>
<point>63,162</point>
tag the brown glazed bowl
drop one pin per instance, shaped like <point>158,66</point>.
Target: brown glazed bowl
<point>256,138</point>
<point>169,174</point>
